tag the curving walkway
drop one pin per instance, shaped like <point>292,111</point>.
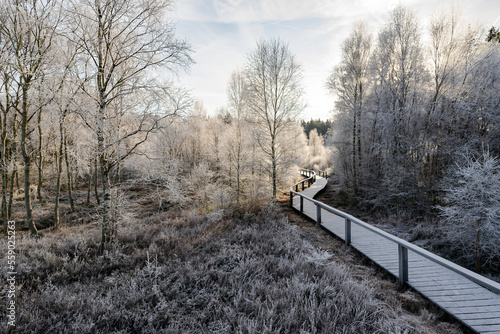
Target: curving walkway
<point>470,298</point>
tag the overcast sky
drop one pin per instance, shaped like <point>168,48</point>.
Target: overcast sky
<point>222,32</point>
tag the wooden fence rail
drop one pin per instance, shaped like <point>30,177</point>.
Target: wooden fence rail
<point>429,274</point>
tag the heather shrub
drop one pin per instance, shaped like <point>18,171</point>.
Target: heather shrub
<point>226,272</point>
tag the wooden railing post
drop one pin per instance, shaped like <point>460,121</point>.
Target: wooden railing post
<point>301,203</point>
<point>403,264</point>
<point>318,214</point>
<point>347,232</point>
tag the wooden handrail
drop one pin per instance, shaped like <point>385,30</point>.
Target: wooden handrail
<point>403,245</point>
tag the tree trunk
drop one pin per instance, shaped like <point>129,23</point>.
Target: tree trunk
<point>117,173</point>
<point>101,149</point>
<point>26,159</point>
<point>274,167</point>
<point>16,175</point>
<point>238,177</point>
<point>478,248</point>
<point>68,173</point>
<point>238,164</point>
<point>360,184</point>
<point>354,151</point>
<point>40,158</point>
<point>11,192</point>
<point>14,178</point>
<point>89,186</point>
<point>106,204</point>
<point>96,183</point>
<point>59,162</point>
<point>58,192</point>
<point>4,199</point>
<point>3,167</point>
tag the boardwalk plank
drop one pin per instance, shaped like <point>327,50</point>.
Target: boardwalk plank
<point>487,328</point>
<point>482,322</point>
<point>486,319</point>
<point>456,290</point>
<point>466,305</point>
<point>448,287</point>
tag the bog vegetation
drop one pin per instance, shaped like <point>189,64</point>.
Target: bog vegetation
<point>243,270</point>
<point>91,118</point>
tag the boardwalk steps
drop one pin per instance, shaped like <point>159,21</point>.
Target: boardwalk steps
<point>472,299</point>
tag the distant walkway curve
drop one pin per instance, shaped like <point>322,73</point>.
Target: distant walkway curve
<point>470,298</point>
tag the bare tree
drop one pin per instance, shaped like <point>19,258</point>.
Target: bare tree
<point>28,28</point>
<point>446,41</point>
<point>444,53</point>
<point>349,82</point>
<point>237,148</point>
<point>6,111</point>
<point>126,43</point>
<point>275,97</point>
<point>397,101</point>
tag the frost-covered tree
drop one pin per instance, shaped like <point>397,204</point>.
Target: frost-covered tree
<point>349,82</point>
<point>27,29</point>
<point>125,45</point>
<point>7,121</point>
<point>275,98</point>
<point>237,147</point>
<point>444,54</point>
<point>472,195</point>
<point>420,104</point>
<point>317,152</point>
<point>400,74</point>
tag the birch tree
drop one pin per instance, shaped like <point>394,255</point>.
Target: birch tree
<point>445,58</point>
<point>275,97</point>
<point>237,148</point>
<point>28,27</point>
<point>349,82</point>
<point>397,102</point>
<point>126,44</point>
<point>6,111</point>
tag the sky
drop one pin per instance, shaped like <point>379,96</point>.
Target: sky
<point>223,32</point>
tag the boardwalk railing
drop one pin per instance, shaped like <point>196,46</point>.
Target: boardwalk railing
<point>403,245</point>
<point>471,298</point>
<point>310,179</point>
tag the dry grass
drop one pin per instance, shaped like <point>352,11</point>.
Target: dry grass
<point>244,270</point>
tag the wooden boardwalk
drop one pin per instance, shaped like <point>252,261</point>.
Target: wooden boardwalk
<point>470,298</point>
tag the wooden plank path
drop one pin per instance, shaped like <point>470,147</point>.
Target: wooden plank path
<point>470,298</point>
